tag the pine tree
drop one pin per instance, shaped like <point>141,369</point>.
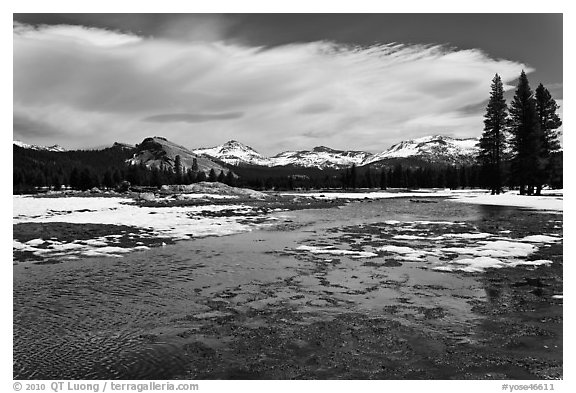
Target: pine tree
<point>87,180</point>
<point>178,169</point>
<point>107,180</point>
<point>191,176</point>
<point>492,142</point>
<point>156,177</point>
<point>201,176</point>
<point>383,179</point>
<point>212,175</point>
<point>353,177</point>
<point>75,179</point>
<point>230,179</point>
<point>221,177</point>
<point>526,138</point>
<point>117,177</point>
<point>56,183</point>
<point>194,164</point>
<point>368,178</point>
<point>549,123</point>
<point>345,178</point>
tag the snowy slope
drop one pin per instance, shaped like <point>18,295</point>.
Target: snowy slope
<point>436,148</point>
<point>234,153</point>
<point>320,157</point>
<point>36,147</point>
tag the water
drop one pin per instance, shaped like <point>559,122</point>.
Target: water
<point>193,309</point>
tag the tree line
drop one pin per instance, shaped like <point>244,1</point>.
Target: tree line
<point>106,168</point>
<point>388,176</point>
<point>520,144</point>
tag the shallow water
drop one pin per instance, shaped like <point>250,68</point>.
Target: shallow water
<point>153,314</point>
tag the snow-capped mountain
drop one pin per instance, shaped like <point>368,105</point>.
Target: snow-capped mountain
<point>234,153</point>
<point>435,149</point>
<point>158,152</point>
<point>320,157</point>
<point>36,147</point>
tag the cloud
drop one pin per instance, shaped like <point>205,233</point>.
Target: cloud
<point>78,34</point>
<point>192,117</point>
<point>92,84</point>
<point>24,126</point>
<point>315,108</point>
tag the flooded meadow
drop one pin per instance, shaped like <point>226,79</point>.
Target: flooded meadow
<point>398,288</point>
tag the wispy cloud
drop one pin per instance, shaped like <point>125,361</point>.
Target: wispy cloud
<point>192,117</point>
<point>94,85</point>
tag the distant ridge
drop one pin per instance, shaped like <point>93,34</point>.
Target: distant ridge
<point>23,145</point>
<point>437,149</point>
<point>158,152</point>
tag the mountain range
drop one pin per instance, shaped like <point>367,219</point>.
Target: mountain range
<point>23,145</point>
<point>159,152</point>
<point>435,149</point>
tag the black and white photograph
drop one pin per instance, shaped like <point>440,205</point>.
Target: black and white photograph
<point>287,196</point>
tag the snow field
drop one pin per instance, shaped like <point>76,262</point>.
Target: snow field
<point>177,223</point>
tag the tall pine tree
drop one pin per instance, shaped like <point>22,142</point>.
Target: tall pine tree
<point>549,123</point>
<point>353,177</point>
<point>212,175</point>
<point>526,138</point>
<point>178,169</point>
<point>493,140</point>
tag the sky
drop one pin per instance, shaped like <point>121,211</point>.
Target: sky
<point>275,82</point>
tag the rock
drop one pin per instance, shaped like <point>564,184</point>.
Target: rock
<point>95,190</point>
<point>213,188</point>
<point>124,186</point>
<point>146,196</point>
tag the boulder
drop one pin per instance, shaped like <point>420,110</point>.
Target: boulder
<point>146,196</point>
<point>213,188</point>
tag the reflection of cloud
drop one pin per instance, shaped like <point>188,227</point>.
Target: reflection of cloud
<point>192,117</point>
<point>94,84</point>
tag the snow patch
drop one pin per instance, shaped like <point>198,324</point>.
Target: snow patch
<point>334,251</point>
<point>541,239</point>
<point>480,264</point>
<point>165,222</point>
<point>396,249</point>
<point>495,249</point>
<point>35,242</point>
<point>512,198</point>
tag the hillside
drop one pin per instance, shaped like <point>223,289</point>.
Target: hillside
<point>158,152</point>
<point>436,149</point>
